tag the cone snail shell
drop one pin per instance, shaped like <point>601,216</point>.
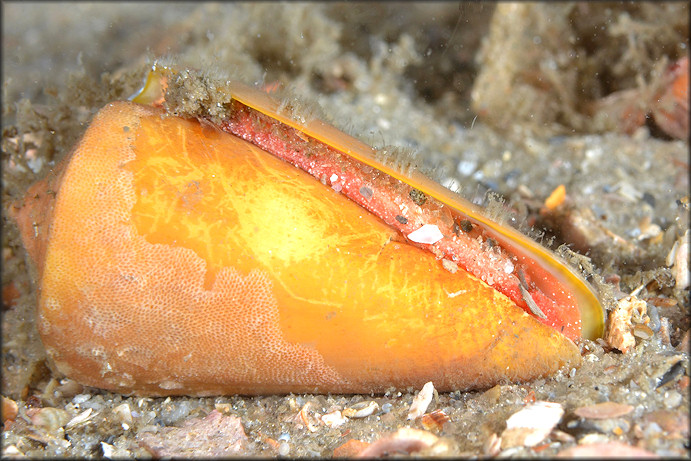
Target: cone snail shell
<point>261,255</point>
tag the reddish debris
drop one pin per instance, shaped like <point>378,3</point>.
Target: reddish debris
<point>9,410</point>
<point>350,449</point>
<point>674,424</point>
<point>10,294</point>
<point>435,420</point>
<point>671,106</point>
<point>403,441</point>
<point>604,410</point>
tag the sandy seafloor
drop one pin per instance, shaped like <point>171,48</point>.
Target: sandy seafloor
<point>399,74</point>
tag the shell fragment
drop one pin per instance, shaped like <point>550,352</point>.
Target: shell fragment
<point>429,233</point>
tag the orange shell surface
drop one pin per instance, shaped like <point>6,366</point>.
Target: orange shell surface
<point>177,259</point>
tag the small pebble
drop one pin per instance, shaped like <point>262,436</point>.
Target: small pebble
<point>283,449</point>
<point>366,192</point>
<point>672,399</point>
<point>80,398</point>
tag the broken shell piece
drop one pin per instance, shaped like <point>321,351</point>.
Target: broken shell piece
<point>112,452</point>
<point>306,418</point>
<point>434,421</point>
<point>562,436</point>
<point>556,198</point>
<point>82,417</point>
<point>214,436</point>
<point>49,418</point>
<point>429,233</point>
<point>421,401</point>
<point>531,425</point>
<point>404,440</point>
<point>68,388</point>
<point>492,445</point>
<point>670,105</point>
<point>683,345</point>
<point>9,409</point>
<point>223,407</point>
<point>680,268</point>
<point>361,409</point>
<point>11,452</point>
<point>643,331</point>
<point>649,230</point>
<point>334,419</point>
<point>124,413</point>
<point>619,332</point>
<point>350,449</point>
<point>604,410</point>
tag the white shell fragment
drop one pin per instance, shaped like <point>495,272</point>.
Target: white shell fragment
<point>429,233</point>
<point>681,262</point>
<point>124,413</point>
<point>334,419</point>
<point>361,409</point>
<point>108,450</point>
<point>421,401</point>
<point>531,425</point>
<point>48,418</point>
<point>80,418</point>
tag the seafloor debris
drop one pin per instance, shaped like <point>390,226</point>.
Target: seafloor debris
<point>587,234</point>
<point>531,425</point>
<point>306,418</point>
<point>606,450</point>
<point>586,67</point>
<point>403,441</point>
<point>350,449</point>
<point>215,435</point>
<point>603,410</point>
<point>49,418</point>
<point>435,420</point>
<point>673,424</point>
<point>620,327</point>
<point>334,419</point>
<point>421,401</point>
<point>678,259</point>
<point>9,410</point>
<point>361,409</point>
<point>670,105</point>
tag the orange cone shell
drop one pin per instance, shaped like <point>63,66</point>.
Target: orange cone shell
<point>177,259</point>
